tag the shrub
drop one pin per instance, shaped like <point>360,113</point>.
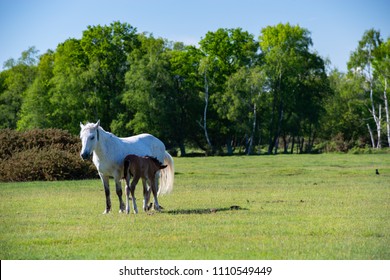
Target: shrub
<point>50,154</point>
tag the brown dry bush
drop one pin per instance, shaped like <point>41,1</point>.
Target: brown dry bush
<point>38,154</point>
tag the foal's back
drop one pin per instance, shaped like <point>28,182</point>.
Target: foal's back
<point>144,167</point>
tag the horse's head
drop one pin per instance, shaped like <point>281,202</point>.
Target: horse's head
<point>89,135</point>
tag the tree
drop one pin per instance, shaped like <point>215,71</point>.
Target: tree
<point>308,102</point>
<point>149,95</point>
<point>70,95</point>
<point>184,64</point>
<point>294,74</point>
<point>204,69</point>
<point>225,51</point>
<point>344,120</point>
<point>243,101</point>
<point>36,109</point>
<point>107,48</point>
<point>381,66</point>
<point>360,63</point>
<point>14,81</point>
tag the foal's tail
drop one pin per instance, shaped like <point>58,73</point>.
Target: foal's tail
<point>167,175</point>
<point>125,168</point>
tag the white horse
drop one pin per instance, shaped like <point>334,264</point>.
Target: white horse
<point>109,152</point>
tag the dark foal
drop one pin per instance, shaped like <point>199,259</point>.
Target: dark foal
<point>144,168</point>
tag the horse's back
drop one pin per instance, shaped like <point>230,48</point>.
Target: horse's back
<point>145,145</point>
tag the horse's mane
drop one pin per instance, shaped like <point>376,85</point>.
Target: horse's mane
<point>155,160</point>
<point>92,125</point>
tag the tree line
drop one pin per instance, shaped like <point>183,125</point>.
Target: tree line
<point>232,92</point>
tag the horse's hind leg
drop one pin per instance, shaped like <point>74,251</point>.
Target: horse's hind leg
<point>119,193</point>
<point>105,181</point>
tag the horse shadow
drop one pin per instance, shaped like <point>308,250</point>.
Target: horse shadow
<point>201,211</point>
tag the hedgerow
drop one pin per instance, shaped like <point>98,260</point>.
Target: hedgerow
<point>42,154</point>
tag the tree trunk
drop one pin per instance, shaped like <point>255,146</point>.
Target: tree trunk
<point>279,128</point>
<point>379,128</point>
<point>285,143</point>
<point>292,144</point>
<point>271,127</point>
<point>371,135</point>
<point>301,145</point>
<point>387,113</point>
<point>251,139</point>
<point>259,143</point>
<point>229,146</point>
<point>206,99</point>
<point>182,149</point>
<point>373,112</point>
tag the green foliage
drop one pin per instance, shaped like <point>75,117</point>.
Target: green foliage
<point>231,92</point>
<point>14,82</point>
<point>36,108</point>
<point>345,109</point>
<point>107,48</point>
<point>225,52</point>
<point>50,154</point>
<point>149,85</point>
<point>298,83</point>
<point>321,207</point>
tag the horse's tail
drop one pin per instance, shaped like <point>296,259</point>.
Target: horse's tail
<point>167,175</point>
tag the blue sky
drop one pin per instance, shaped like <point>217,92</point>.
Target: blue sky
<point>336,26</point>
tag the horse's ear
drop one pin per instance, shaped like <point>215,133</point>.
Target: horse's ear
<point>98,123</point>
<point>81,125</point>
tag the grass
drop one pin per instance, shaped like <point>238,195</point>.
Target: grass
<point>290,207</point>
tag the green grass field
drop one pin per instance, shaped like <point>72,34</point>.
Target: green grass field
<point>290,207</point>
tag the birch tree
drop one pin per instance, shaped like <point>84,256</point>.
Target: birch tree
<point>382,68</point>
<point>244,92</point>
<point>226,51</point>
<point>361,63</point>
<point>204,71</point>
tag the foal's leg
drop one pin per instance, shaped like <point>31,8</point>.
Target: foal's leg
<point>157,179</point>
<point>132,189</point>
<point>146,194</point>
<point>127,180</point>
<point>105,181</point>
<point>154,187</point>
<point>118,185</point>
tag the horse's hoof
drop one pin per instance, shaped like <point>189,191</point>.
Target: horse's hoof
<point>106,212</point>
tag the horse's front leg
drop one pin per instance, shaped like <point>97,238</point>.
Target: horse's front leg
<point>118,185</point>
<point>106,185</point>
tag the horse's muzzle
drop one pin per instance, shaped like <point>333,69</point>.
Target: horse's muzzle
<point>85,155</point>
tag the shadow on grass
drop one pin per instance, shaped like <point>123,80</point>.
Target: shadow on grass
<point>204,210</point>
